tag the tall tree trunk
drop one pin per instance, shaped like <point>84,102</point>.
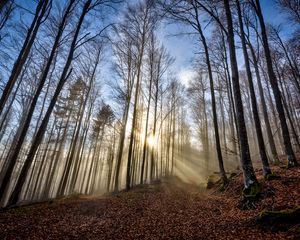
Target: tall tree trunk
<point>137,89</point>
<point>276,92</point>
<point>259,134</point>
<point>152,158</point>
<point>121,146</point>
<point>145,147</point>
<point>40,133</point>
<point>231,112</point>
<point>264,107</point>
<point>213,99</point>
<point>40,12</point>
<point>14,156</point>
<point>249,175</point>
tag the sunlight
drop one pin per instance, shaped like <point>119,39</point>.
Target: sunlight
<point>185,75</point>
<point>151,140</point>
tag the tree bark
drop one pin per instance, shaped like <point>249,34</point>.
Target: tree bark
<point>213,100</point>
<point>276,92</point>
<point>259,134</point>
<point>40,133</point>
<point>249,175</point>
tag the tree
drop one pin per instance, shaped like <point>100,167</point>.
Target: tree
<point>188,13</point>
<point>274,84</point>
<point>249,175</point>
<point>40,133</point>
<point>255,62</point>
<point>41,12</point>
<point>292,8</point>
<point>259,135</point>
<point>142,18</point>
<point>126,69</point>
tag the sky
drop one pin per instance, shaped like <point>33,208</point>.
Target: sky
<point>183,48</point>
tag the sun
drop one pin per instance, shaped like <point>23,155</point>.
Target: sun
<point>151,140</point>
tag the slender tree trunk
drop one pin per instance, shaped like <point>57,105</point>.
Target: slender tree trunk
<point>173,139</point>
<point>152,158</point>
<point>249,175</point>
<point>40,12</point>
<point>276,92</point>
<point>221,103</point>
<point>145,147</point>
<point>213,101</point>
<point>137,89</point>
<point>231,112</point>
<point>259,134</point>
<point>121,146</point>
<point>89,176</point>
<point>111,161</point>
<point>40,133</point>
<point>264,107</point>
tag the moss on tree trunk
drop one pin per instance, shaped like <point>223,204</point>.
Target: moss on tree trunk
<point>251,193</point>
<point>289,215</point>
<point>271,176</point>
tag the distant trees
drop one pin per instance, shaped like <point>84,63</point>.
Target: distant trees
<point>34,150</point>
<point>141,61</point>
<point>125,66</point>
<point>141,22</point>
<point>188,12</point>
<point>198,90</point>
<point>64,130</point>
<point>78,142</point>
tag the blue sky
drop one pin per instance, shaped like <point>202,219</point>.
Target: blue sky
<point>184,48</point>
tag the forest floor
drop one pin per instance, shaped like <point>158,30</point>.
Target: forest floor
<point>167,210</point>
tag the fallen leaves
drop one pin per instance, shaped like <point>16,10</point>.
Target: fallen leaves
<point>167,210</point>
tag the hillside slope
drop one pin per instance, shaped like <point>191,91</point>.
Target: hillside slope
<point>168,210</point>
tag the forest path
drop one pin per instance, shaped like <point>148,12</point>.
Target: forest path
<point>167,210</point>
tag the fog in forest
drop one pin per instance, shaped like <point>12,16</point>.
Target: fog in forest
<point>102,96</point>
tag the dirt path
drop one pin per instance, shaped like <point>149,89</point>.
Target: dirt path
<point>159,211</point>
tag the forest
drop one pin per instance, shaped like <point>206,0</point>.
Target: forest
<point>149,119</point>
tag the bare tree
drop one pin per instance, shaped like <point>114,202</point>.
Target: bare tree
<point>249,175</point>
<point>274,84</point>
<point>259,135</point>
